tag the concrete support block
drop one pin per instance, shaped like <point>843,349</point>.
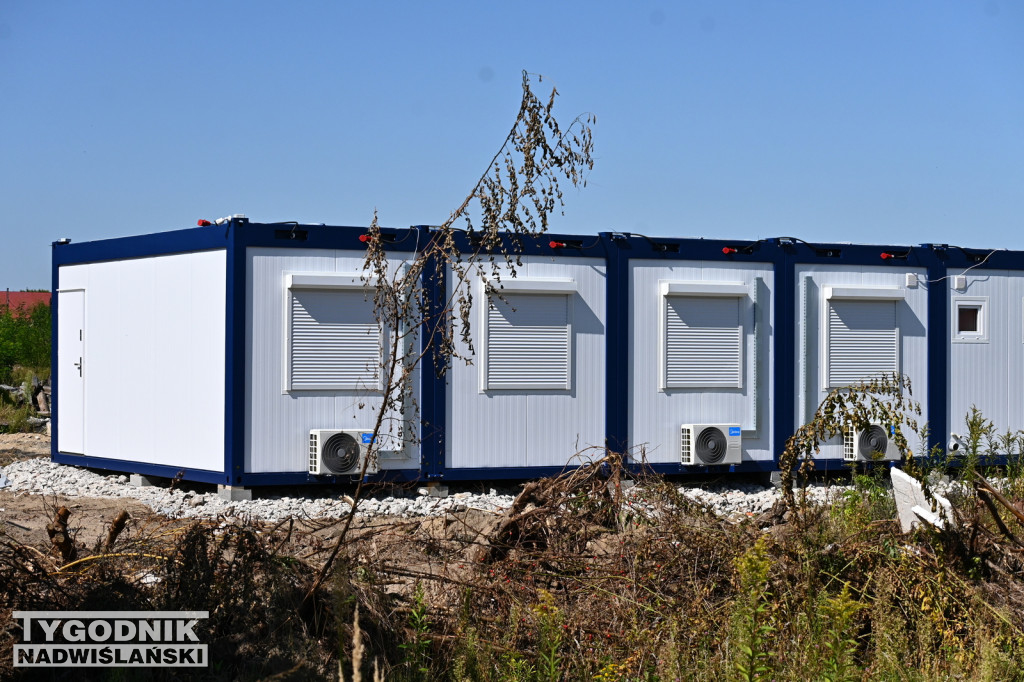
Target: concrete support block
<point>433,489</point>
<point>140,481</point>
<point>234,493</point>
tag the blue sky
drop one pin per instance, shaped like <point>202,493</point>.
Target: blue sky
<point>877,122</point>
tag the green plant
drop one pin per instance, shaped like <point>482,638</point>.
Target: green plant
<point>24,341</point>
<point>1011,444</point>
<point>417,651</point>
<point>869,500</point>
<point>978,443</point>
<point>885,400</point>
<point>751,621</point>
<point>14,419</point>
<point>515,668</point>
<point>931,463</point>
<point>876,491</point>
<point>467,655</point>
<point>839,613</point>
<point>549,631</point>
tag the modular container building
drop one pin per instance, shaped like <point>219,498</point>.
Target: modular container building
<point>213,354</point>
<point>535,396</point>
<point>983,297</point>
<point>858,315</point>
<point>700,349</point>
<point>238,353</point>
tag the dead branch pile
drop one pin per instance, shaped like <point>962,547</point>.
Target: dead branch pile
<point>236,572</point>
<point>569,580</point>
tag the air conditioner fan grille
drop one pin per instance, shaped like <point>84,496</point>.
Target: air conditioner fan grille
<point>872,441</point>
<point>340,454</point>
<point>711,445</point>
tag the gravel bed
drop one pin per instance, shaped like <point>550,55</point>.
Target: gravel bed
<point>42,477</point>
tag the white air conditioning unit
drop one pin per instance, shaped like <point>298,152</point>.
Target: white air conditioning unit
<point>339,453</point>
<point>710,444</point>
<point>875,443</point>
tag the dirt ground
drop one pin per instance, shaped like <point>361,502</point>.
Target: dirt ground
<point>385,558</point>
<point>24,518</point>
<point>15,446</point>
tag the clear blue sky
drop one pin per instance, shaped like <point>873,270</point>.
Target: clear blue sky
<point>889,122</point>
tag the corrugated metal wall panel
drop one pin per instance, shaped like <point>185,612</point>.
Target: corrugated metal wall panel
<point>988,375</point>
<point>521,427</point>
<point>911,318</point>
<point>655,415</point>
<point>278,421</point>
<point>154,327</point>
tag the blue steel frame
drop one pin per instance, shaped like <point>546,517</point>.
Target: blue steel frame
<point>616,249</point>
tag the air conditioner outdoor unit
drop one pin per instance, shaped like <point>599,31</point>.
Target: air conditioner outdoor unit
<point>339,453</point>
<point>710,444</point>
<point>870,444</point>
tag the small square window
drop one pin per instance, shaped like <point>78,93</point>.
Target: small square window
<point>968,319</point>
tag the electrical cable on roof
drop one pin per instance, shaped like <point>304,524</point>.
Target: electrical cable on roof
<point>657,246</point>
<point>982,262</point>
<point>590,246</point>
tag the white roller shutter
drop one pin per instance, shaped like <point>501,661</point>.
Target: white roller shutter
<point>863,341</point>
<point>528,342</point>
<point>334,340</point>
<point>703,342</point>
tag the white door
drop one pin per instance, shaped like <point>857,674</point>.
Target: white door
<point>71,371</point>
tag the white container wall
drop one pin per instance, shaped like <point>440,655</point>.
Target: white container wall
<point>311,350</point>
<point>535,393</point>
<point>150,387</point>
<point>700,345</point>
<point>854,322</point>
<point>986,342</point>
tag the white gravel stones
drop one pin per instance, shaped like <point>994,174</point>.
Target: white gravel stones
<point>42,477</point>
<point>747,499</point>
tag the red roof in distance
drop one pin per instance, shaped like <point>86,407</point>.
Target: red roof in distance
<point>23,300</point>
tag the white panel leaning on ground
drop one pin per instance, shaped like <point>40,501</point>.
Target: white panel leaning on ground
<point>913,507</point>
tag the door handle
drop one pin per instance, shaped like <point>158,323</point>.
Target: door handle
<point>78,365</point>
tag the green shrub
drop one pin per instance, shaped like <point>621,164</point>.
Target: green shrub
<point>25,342</point>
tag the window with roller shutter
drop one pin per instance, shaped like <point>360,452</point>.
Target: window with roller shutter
<point>862,342</point>
<point>702,334</point>
<point>703,342</point>
<point>334,341</point>
<point>528,341</point>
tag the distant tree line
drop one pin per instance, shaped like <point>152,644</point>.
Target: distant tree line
<point>24,340</point>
